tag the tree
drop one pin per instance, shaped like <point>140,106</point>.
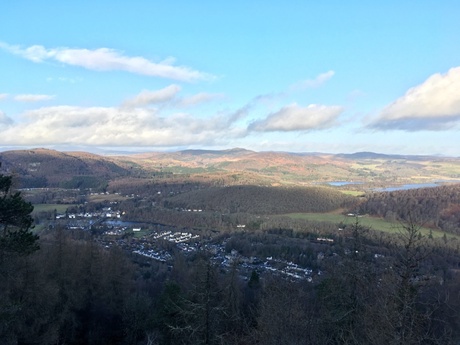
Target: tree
<point>285,317</point>
<point>407,319</point>
<point>15,221</point>
<point>346,293</point>
<point>410,295</point>
<point>196,317</point>
<point>16,243</point>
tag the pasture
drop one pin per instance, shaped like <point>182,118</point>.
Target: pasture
<point>60,208</point>
<point>372,223</point>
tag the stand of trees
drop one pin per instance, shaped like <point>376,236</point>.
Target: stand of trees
<point>17,242</point>
<point>262,200</point>
<point>439,206</point>
<point>74,291</point>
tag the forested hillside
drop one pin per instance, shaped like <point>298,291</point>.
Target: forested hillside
<point>48,168</point>
<point>262,200</point>
<point>75,291</point>
<point>439,207</point>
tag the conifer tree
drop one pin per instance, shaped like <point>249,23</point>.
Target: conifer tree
<point>17,241</point>
<point>15,221</point>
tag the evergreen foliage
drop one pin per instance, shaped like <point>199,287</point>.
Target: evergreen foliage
<point>15,220</point>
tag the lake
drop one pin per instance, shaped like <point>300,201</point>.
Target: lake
<point>407,186</point>
<point>342,183</point>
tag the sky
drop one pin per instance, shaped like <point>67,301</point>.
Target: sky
<point>297,76</point>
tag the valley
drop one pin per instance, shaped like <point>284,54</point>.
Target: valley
<point>210,221</point>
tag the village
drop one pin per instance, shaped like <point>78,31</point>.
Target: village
<point>152,245</point>
<point>159,243</point>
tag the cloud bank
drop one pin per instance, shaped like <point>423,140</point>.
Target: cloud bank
<point>105,59</point>
<point>432,105</point>
<point>115,126</point>
<point>296,118</point>
<point>143,126</point>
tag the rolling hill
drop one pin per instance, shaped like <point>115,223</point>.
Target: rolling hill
<point>49,168</point>
<point>371,169</point>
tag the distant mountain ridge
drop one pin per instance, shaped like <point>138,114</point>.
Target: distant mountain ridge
<point>234,151</point>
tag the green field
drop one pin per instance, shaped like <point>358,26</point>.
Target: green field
<point>353,192</point>
<point>106,197</point>
<point>60,208</point>
<point>366,221</point>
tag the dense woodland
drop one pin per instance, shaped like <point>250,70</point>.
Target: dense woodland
<point>438,207</point>
<point>262,200</point>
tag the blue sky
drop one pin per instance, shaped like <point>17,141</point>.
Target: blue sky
<point>299,76</point>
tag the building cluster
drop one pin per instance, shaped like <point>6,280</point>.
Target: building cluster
<point>106,212</point>
<point>246,265</point>
<point>150,243</point>
<point>176,237</point>
<point>162,256</point>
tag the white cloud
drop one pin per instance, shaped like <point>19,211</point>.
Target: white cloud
<point>33,98</point>
<point>169,95</point>
<point>3,96</point>
<point>110,126</point>
<point>147,97</point>
<point>432,105</point>
<point>105,59</point>
<point>295,118</point>
<point>4,120</point>
<point>314,83</point>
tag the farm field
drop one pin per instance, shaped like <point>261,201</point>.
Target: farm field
<point>367,221</point>
<point>60,208</point>
<point>106,197</point>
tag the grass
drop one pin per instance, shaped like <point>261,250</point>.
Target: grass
<point>444,167</point>
<point>106,197</point>
<point>352,192</point>
<point>373,223</point>
<point>60,208</point>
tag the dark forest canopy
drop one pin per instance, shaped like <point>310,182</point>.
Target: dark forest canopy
<point>262,200</point>
<point>439,207</point>
<point>74,291</point>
